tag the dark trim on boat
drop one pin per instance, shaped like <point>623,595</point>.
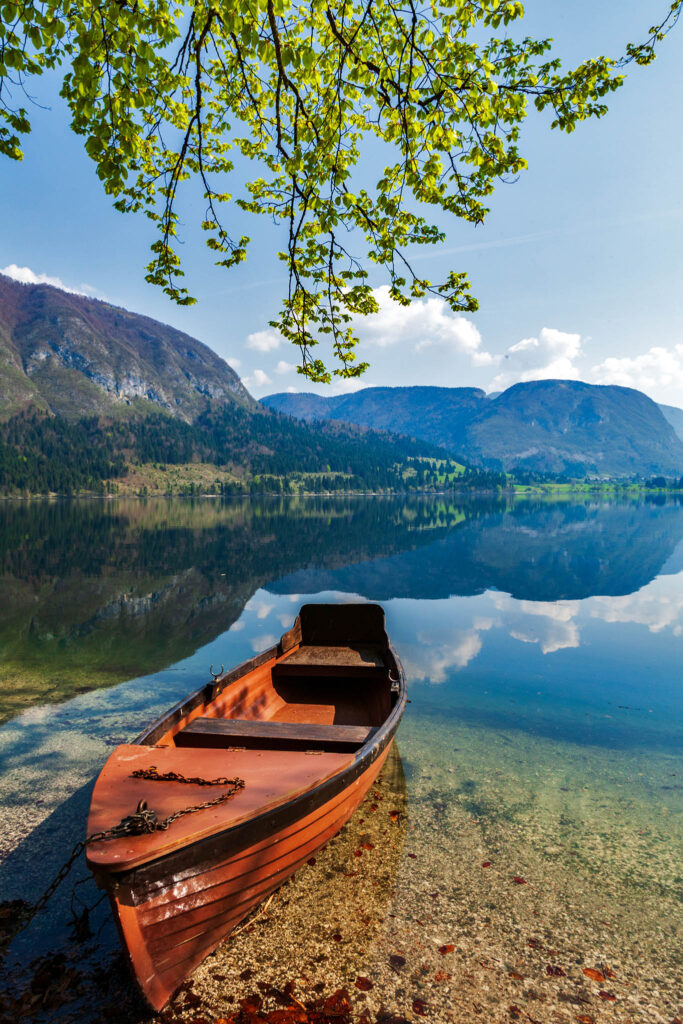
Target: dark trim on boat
<point>204,695</point>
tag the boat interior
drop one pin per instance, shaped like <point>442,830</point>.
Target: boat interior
<point>328,687</point>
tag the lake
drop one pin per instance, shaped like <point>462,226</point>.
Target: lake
<point>522,855</point>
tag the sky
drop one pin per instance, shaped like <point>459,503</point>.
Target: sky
<point>578,268</point>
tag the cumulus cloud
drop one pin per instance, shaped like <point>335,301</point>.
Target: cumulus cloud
<point>257,379</point>
<point>284,367</point>
<point>27,276</point>
<point>658,372</point>
<point>552,355</point>
<point>235,363</point>
<point>425,323</point>
<point>347,385</point>
<point>264,341</point>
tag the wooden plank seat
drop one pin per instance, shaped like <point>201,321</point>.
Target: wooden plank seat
<point>319,661</point>
<point>267,735</point>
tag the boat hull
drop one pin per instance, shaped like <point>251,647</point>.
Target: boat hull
<point>169,922</point>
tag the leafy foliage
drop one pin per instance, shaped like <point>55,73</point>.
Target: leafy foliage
<point>164,92</point>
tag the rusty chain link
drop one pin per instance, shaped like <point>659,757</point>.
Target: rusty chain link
<point>152,774</point>
<point>144,821</point>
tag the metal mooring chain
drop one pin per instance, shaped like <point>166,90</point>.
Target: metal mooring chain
<point>143,822</point>
<point>152,774</point>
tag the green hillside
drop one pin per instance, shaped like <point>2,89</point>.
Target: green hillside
<point>247,452</point>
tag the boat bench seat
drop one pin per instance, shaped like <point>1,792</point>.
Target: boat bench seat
<point>310,660</point>
<point>237,732</point>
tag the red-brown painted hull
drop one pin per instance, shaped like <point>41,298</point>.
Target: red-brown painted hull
<point>305,727</point>
<point>169,934</point>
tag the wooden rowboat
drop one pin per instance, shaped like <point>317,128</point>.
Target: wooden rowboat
<point>306,726</point>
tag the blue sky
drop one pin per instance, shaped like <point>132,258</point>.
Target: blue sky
<point>578,268</point>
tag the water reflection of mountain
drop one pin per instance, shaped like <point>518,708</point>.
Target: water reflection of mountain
<point>542,552</point>
<point>92,593</point>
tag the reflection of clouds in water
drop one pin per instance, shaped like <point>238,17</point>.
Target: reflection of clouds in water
<point>434,655</point>
<point>237,626</point>
<point>263,641</point>
<point>550,625</point>
<point>262,608</point>
<point>550,636</point>
<point>286,620</point>
<point>658,606</point>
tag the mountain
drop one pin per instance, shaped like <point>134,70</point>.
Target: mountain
<point>89,390</point>
<point>561,426</point>
<point>675,418</point>
<point>543,426</point>
<point>437,415</point>
<point>74,356</point>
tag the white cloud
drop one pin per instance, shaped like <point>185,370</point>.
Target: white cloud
<point>658,372</point>
<point>347,385</point>
<point>235,363</point>
<point>552,355</point>
<point>425,323</point>
<point>339,386</point>
<point>284,367</point>
<point>258,379</point>
<point>27,276</point>
<point>264,341</point>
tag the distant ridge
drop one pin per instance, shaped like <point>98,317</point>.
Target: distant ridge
<point>675,418</point>
<point>75,356</point>
<point>557,426</point>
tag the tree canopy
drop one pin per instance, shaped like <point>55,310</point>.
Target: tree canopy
<point>164,92</point>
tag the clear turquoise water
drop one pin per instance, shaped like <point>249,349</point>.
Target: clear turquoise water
<point>543,646</point>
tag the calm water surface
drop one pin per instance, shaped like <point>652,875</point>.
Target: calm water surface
<point>539,770</point>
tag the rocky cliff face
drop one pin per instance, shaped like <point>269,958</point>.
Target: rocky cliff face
<point>549,425</point>
<point>74,356</point>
